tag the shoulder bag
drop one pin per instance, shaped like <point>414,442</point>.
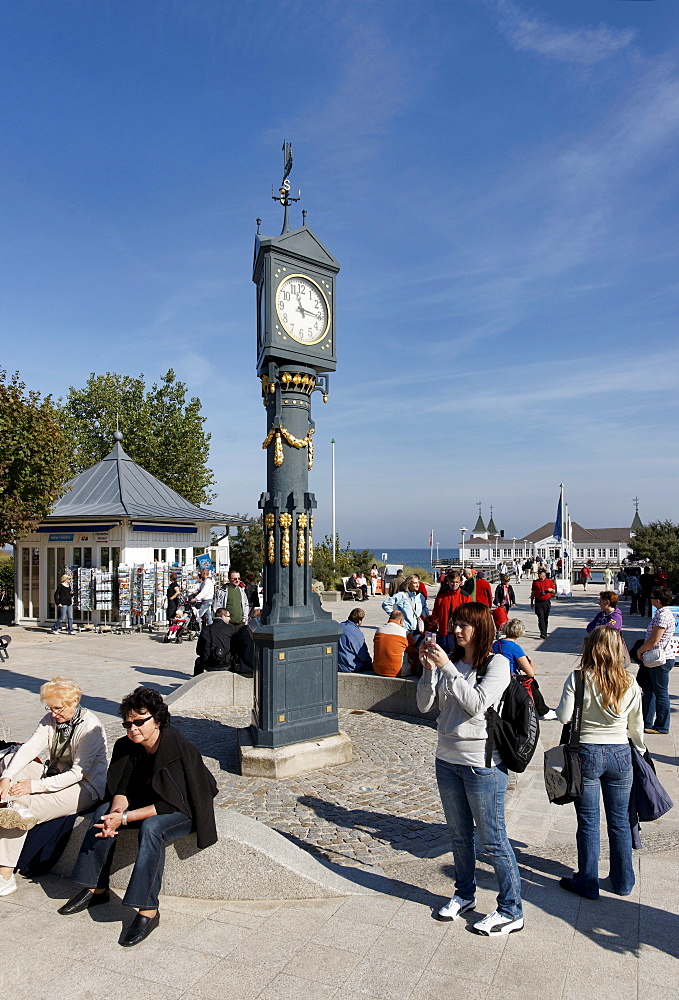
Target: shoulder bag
<point>563,771</point>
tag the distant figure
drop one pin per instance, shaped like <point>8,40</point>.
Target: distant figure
<point>204,596</point>
<point>504,594</point>
<point>63,600</point>
<point>621,581</point>
<point>469,584</point>
<point>645,586</point>
<point>634,589</point>
<point>354,583</point>
<point>660,631</point>
<point>396,583</point>
<point>585,574</point>
<point>608,578</point>
<point>661,578</point>
<point>213,648</point>
<point>484,591</point>
<point>411,602</point>
<point>173,593</point>
<point>448,598</point>
<point>251,591</point>
<point>390,648</point>
<point>352,649</point>
<point>518,570</point>
<point>609,614</point>
<point>541,595</point>
<point>374,577</point>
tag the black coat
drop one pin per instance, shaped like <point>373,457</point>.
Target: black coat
<point>500,594</point>
<point>218,635</point>
<point>180,778</point>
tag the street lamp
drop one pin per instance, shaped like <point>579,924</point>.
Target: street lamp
<point>463,531</point>
<point>334,526</point>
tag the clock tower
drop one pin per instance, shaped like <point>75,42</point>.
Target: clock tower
<point>294,719</point>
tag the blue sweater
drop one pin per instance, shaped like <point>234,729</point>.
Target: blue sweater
<point>352,649</point>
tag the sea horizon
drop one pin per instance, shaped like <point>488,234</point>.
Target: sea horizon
<point>414,557</point>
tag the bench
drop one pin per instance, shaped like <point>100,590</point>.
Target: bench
<point>4,643</point>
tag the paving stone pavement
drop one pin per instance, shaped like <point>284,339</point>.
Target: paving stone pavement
<point>380,812</point>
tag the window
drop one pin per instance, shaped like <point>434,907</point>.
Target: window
<point>590,553</point>
<point>160,555</point>
<point>506,552</point>
<point>475,553</point>
<point>602,553</point>
<point>613,553</point>
<point>580,553</point>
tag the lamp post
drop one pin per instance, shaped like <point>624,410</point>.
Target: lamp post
<point>513,551</point>
<point>332,483</point>
<point>463,532</point>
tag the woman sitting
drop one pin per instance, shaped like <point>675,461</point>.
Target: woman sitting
<point>71,740</point>
<point>158,784</point>
<point>520,663</point>
<point>611,715</point>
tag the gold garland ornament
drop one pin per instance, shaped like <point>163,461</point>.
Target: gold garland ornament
<point>311,541</point>
<point>294,442</point>
<point>285,520</point>
<point>301,525</point>
<point>271,552</point>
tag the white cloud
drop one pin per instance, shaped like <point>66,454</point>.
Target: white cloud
<point>586,46</point>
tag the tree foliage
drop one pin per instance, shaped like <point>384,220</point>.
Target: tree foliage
<point>246,548</point>
<point>347,561</point>
<point>33,458</point>
<point>161,430</point>
<point>658,542</point>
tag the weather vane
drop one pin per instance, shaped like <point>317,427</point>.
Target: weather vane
<point>284,195</point>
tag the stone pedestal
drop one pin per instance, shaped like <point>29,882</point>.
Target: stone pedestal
<point>289,761</point>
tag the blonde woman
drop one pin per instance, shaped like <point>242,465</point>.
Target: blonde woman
<point>71,743</point>
<point>611,713</point>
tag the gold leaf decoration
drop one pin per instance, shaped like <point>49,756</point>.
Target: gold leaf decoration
<point>285,520</point>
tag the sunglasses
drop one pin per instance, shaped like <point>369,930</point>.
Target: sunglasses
<point>138,723</point>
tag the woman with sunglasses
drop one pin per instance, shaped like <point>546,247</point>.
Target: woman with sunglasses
<point>466,686</point>
<point>158,784</point>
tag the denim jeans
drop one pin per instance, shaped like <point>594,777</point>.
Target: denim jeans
<point>606,769</point>
<point>656,698</point>
<point>205,608</point>
<point>65,614</point>
<point>93,865</point>
<point>476,795</point>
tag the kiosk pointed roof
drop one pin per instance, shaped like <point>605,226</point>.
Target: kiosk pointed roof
<point>492,530</point>
<point>119,487</point>
<point>637,523</point>
<point>479,527</point>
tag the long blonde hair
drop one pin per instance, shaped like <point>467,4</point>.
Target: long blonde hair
<point>604,663</point>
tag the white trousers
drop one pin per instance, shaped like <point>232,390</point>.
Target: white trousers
<point>44,806</point>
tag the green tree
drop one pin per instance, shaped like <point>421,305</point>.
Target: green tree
<point>33,462</point>
<point>161,430</point>
<point>246,548</point>
<point>659,543</point>
<point>347,561</point>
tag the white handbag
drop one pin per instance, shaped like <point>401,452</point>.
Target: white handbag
<point>654,657</point>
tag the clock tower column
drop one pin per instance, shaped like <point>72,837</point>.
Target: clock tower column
<point>294,718</point>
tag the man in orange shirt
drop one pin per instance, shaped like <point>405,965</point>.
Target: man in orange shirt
<point>390,649</point>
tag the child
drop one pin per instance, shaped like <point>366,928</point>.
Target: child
<point>522,664</point>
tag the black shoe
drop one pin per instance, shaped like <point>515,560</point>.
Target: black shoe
<point>84,901</point>
<point>139,929</point>
<point>567,884</point>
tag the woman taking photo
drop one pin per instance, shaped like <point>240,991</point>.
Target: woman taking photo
<point>611,713</point>
<point>466,685</point>
<point>70,741</point>
<point>656,698</point>
<point>158,784</point>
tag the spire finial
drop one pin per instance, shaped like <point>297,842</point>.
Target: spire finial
<point>635,501</point>
<point>117,435</point>
<point>284,190</point>
<point>259,223</point>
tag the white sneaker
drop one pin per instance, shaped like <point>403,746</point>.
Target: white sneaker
<point>497,923</point>
<point>7,885</point>
<point>16,817</point>
<point>548,716</point>
<point>455,907</point>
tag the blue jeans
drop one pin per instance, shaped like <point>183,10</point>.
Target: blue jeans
<point>606,768</point>
<point>205,608</point>
<point>655,703</point>
<point>476,795</point>
<point>65,614</point>
<point>93,865</point>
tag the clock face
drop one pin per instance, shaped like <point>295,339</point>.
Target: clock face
<point>302,309</point>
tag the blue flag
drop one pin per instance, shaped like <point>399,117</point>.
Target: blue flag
<point>558,524</point>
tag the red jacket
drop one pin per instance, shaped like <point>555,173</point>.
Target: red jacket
<point>538,591</point>
<point>444,605</point>
<point>484,592</point>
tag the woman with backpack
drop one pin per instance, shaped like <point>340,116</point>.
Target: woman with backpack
<point>466,685</point>
<point>611,714</point>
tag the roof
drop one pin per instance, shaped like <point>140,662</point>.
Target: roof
<point>479,526</point>
<point>491,529</point>
<point>581,534</point>
<point>118,487</point>
<point>637,523</point>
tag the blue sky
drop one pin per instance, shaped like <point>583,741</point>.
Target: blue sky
<point>498,180</point>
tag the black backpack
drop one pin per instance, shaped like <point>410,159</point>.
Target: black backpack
<point>514,728</point>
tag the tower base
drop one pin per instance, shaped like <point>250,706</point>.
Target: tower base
<point>289,761</point>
